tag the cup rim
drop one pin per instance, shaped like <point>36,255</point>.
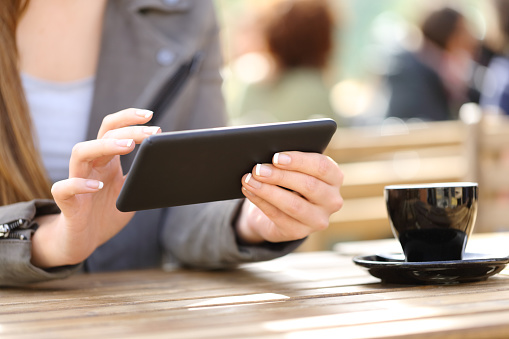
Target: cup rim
<point>432,185</point>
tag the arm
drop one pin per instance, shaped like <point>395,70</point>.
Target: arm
<point>16,250</point>
<point>271,222</point>
<point>204,236</point>
<point>88,215</point>
<point>55,237</point>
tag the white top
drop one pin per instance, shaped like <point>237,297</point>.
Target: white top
<point>60,113</point>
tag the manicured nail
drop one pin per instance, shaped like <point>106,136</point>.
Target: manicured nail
<point>252,182</point>
<point>246,192</point>
<point>151,130</point>
<point>144,113</point>
<point>96,184</point>
<point>124,142</point>
<point>263,170</point>
<point>281,159</point>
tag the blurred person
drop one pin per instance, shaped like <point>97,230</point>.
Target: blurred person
<point>432,82</point>
<point>495,91</point>
<point>298,37</point>
<point>66,67</point>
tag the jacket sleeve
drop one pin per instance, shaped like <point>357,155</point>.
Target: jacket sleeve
<point>16,245</point>
<point>203,236</point>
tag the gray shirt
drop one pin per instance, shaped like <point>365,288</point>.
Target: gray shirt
<point>60,112</point>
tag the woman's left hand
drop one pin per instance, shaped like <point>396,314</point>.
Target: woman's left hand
<point>290,198</point>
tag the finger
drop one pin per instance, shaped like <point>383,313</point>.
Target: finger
<point>312,188</point>
<point>68,188</point>
<point>314,164</point>
<point>291,204</point>
<point>84,153</point>
<point>282,227</point>
<point>124,118</point>
<point>137,133</point>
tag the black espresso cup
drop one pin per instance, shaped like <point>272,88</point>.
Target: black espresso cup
<point>432,221</point>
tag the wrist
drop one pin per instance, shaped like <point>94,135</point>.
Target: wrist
<point>41,247</point>
<point>245,233</point>
<point>46,251</point>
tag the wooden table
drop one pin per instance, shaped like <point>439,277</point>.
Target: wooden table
<point>303,295</point>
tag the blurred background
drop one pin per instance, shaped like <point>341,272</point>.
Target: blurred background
<point>409,82</point>
<point>366,38</point>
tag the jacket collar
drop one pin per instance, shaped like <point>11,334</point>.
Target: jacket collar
<point>136,58</point>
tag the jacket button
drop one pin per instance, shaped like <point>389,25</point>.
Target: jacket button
<point>165,57</point>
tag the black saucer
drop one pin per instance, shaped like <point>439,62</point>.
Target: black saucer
<point>392,268</point>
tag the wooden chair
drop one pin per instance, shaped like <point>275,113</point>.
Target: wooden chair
<point>394,153</point>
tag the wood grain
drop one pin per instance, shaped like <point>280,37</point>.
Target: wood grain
<point>302,295</point>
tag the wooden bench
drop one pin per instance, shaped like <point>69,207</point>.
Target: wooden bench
<point>473,148</point>
<point>375,156</point>
<point>488,164</point>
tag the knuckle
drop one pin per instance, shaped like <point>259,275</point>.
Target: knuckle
<point>63,188</point>
<point>107,135</point>
<point>282,176</point>
<point>300,159</point>
<point>77,149</point>
<point>54,188</point>
<point>334,166</point>
<point>107,119</point>
<point>337,203</point>
<point>341,176</point>
<point>322,223</point>
<point>324,165</point>
<point>295,205</point>
<point>311,184</point>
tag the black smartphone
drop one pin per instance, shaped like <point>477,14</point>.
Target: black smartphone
<point>196,166</point>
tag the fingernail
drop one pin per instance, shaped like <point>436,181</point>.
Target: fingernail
<point>248,178</point>
<point>252,182</point>
<point>151,130</point>
<point>124,142</point>
<point>246,192</point>
<point>263,170</point>
<point>144,113</point>
<point>281,159</point>
<point>96,184</point>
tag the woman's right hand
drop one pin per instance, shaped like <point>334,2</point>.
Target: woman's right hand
<point>87,198</point>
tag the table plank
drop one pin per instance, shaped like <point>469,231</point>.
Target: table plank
<point>301,295</point>
<point>341,314</point>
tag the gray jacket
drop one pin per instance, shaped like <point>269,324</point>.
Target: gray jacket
<point>164,56</point>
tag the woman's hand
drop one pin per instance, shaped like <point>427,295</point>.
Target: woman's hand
<point>290,198</point>
<point>87,199</point>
